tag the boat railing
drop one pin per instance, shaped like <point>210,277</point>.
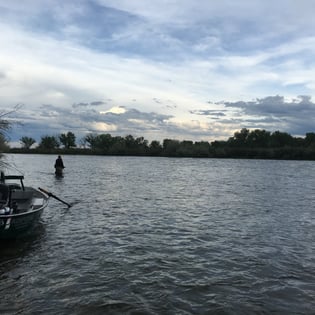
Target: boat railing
<point>13,177</point>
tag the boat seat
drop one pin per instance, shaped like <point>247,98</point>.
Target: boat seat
<point>15,186</point>
<point>22,198</point>
<point>21,194</point>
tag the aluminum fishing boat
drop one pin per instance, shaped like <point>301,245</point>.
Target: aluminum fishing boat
<point>20,206</point>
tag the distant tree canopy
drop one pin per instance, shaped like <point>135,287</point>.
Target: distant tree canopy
<point>310,139</point>
<point>260,139</point>
<point>117,145</point>
<point>49,143</point>
<point>257,143</point>
<point>27,142</point>
<point>67,140</point>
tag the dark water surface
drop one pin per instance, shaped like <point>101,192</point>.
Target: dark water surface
<point>165,236</point>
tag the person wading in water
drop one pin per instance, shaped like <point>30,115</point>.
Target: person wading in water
<point>59,166</point>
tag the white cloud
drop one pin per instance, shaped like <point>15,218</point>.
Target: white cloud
<point>114,110</point>
<point>103,127</point>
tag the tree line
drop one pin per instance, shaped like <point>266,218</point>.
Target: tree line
<point>245,143</point>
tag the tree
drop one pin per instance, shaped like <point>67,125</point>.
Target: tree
<point>3,144</point>
<point>186,148</point>
<point>5,125</point>
<point>27,142</point>
<point>202,149</point>
<point>104,142</point>
<point>49,143</point>
<point>90,140</point>
<point>101,142</point>
<point>130,141</point>
<point>155,148</point>
<point>141,146</point>
<point>258,138</point>
<point>170,147</point>
<point>310,139</point>
<point>240,138</point>
<point>280,139</point>
<point>68,140</point>
<point>118,146</point>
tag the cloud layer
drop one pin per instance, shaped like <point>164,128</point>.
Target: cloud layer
<point>164,69</point>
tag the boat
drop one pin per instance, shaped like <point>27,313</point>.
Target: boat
<point>20,206</point>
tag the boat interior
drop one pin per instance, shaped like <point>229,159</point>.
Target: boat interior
<point>15,196</point>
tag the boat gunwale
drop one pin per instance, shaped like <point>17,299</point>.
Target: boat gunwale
<point>31,211</point>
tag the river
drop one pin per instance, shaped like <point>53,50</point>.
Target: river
<point>150,235</point>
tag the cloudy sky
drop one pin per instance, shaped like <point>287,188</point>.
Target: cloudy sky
<point>180,69</point>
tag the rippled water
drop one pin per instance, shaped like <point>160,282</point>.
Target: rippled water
<point>165,236</point>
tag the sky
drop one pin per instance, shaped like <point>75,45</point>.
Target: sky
<point>176,69</point>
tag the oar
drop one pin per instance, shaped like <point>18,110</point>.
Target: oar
<point>52,195</point>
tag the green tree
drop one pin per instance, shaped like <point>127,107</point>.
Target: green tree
<point>310,139</point>
<point>4,146</point>
<point>186,148</point>
<point>68,140</point>
<point>240,138</point>
<point>27,142</point>
<point>155,148</point>
<point>118,146</point>
<point>101,142</point>
<point>104,142</point>
<point>141,146</point>
<point>5,126</point>
<point>90,140</point>
<point>130,141</point>
<point>202,149</point>
<point>280,139</point>
<point>49,143</point>
<point>170,147</point>
<point>258,138</point>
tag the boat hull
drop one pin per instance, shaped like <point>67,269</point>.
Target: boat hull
<point>15,226</point>
<point>18,224</point>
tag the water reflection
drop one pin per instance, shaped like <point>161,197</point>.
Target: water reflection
<point>59,176</point>
<point>13,250</point>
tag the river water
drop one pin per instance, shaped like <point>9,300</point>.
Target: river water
<point>165,236</point>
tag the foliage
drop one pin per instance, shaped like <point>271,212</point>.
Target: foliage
<point>49,143</point>
<point>155,148</point>
<point>106,144</point>
<point>250,144</point>
<point>27,142</point>
<point>5,126</point>
<point>170,147</point>
<point>3,144</point>
<point>67,140</point>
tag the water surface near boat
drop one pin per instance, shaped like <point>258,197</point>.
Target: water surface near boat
<point>165,236</point>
